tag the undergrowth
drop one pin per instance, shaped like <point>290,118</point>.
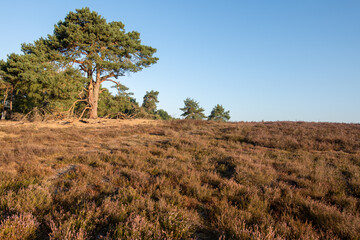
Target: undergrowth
<point>181,180</point>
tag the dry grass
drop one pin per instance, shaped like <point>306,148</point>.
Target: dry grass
<point>144,179</point>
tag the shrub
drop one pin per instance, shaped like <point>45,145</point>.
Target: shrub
<point>23,226</point>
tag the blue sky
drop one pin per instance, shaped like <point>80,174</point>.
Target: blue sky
<point>262,60</point>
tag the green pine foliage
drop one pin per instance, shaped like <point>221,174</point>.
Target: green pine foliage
<point>63,72</point>
<point>150,100</point>
<point>114,106</point>
<point>218,114</point>
<point>4,86</point>
<point>163,114</point>
<point>192,110</point>
<point>101,50</point>
<point>148,108</point>
<point>3,83</point>
<point>37,83</point>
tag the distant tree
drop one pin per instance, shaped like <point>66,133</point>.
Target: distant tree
<point>218,114</point>
<point>120,104</point>
<point>32,81</point>
<point>5,89</point>
<point>101,50</point>
<point>122,90</point>
<point>163,114</point>
<point>150,100</point>
<point>192,110</point>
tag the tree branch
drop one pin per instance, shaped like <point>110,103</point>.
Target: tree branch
<point>106,78</point>
<point>84,112</point>
<point>83,68</point>
<point>110,80</point>
<point>77,61</point>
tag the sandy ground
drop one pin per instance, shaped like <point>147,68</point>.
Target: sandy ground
<point>79,123</point>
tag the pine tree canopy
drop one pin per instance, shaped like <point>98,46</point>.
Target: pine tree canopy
<point>35,81</point>
<point>218,114</point>
<point>163,114</point>
<point>3,83</point>
<point>101,50</point>
<point>192,110</point>
<point>84,37</point>
<point>150,100</point>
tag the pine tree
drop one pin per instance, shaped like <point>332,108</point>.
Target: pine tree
<point>192,110</point>
<point>101,50</point>
<point>150,100</point>
<point>33,81</point>
<point>120,104</point>
<point>163,114</point>
<point>5,90</point>
<point>218,114</point>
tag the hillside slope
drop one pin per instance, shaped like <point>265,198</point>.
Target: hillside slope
<point>179,180</point>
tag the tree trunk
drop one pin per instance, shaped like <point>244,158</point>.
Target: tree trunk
<point>93,109</point>
<point>3,114</point>
<point>94,89</point>
<point>11,102</point>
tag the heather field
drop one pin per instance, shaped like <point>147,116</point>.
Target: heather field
<point>179,179</point>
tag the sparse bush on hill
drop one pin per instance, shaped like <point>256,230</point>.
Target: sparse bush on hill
<point>150,100</point>
<point>192,110</point>
<point>163,114</point>
<point>117,106</point>
<point>149,110</point>
<point>218,114</point>
<point>180,179</point>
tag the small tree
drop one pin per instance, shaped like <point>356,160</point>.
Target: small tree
<point>192,110</point>
<point>150,100</point>
<point>114,106</point>
<point>163,114</point>
<point>218,114</point>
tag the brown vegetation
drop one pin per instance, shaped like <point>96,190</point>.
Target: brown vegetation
<point>179,180</point>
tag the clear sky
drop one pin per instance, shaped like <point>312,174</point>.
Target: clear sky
<point>262,60</point>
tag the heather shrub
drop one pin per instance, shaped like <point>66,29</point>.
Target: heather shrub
<point>23,226</point>
<point>138,227</point>
<point>179,179</point>
<point>32,199</point>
